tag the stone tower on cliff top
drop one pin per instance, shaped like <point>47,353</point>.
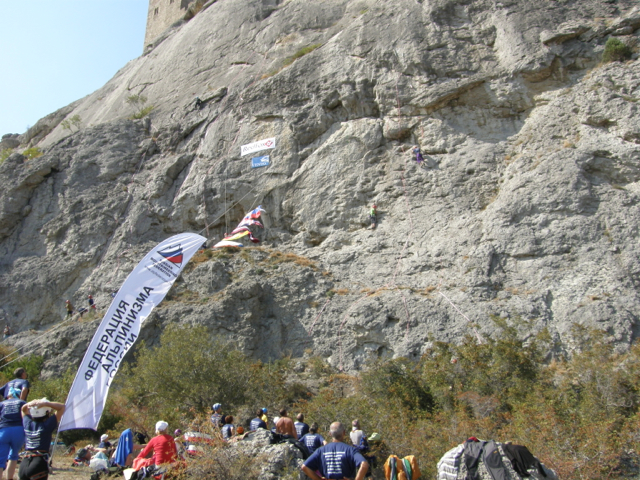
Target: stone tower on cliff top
<point>162,14</point>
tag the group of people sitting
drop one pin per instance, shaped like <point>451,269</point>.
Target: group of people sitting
<point>32,425</point>
<point>327,460</point>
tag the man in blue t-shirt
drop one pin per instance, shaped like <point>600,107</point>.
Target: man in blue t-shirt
<point>336,460</point>
<point>257,422</point>
<point>11,432</point>
<point>20,382</point>
<point>313,440</point>
<point>301,428</point>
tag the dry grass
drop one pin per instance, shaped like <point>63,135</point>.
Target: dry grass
<point>278,257</point>
<point>289,60</point>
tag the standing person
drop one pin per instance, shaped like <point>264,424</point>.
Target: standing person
<point>373,215</point>
<point>336,460</point>
<point>257,422</point>
<point>39,425</point>
<point>92,304</point>
<point>11,431</point>
<point>356,434</point>
<point>217,418</point>
<point>313,440</point>
<point>7,331</point>
<point>301,428</point>
<point>416,151</point>
<point>69,307</point>
<point>227,429</point>
<point>285,425</point>
<point>20,383</point>
<point>163,447</point>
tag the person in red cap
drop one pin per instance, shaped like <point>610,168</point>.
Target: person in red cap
<point>373,215</point>
<point>91,303</point>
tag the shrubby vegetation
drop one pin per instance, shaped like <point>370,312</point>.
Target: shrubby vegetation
<point>4,154</point>
<point>138,101</point>
<point>33,152</point>
<point>579,415</point>
<point>616,51</point>
<point>71,123</point>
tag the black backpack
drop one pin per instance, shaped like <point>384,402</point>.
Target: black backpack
<point>276,438</point>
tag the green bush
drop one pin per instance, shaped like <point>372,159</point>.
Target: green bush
<point>33,152</point>
<point>71,123</point>
<point>138,102</point>
<point>188,372</point>
<point>616,51</point>
<point>4,154</point>
<point>579,414</point>
<point>143,112</point>
<point>301,53</point>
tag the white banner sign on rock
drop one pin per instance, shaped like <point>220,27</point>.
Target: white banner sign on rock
<point>257,146</point>
<point>144,288</point>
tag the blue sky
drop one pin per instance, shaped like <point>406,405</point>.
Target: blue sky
<point>53,52</point>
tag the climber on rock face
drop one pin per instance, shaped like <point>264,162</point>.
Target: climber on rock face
<point>69,308</point>
<point>91,303</point>
<point>373,214</point>
<point>416,151</point>
<point>199,103</point>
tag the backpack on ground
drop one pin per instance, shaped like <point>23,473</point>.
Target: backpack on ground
<point>300,446</point>
<point>406,468</point>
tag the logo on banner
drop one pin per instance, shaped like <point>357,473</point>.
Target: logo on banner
<point>257,162</point>
<point>173,254</point>
<point>167,267</point>
<point>257,146</point>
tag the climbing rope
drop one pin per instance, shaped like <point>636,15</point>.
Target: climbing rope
<point>344,319</point>
<point>318,316</point>
<point>48,332</point>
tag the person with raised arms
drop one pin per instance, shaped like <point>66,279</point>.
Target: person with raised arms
<point>39,425</point>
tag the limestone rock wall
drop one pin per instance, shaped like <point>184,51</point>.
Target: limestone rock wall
<point>526,207</point>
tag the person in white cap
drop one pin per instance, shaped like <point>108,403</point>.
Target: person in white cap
<point>217,418</point>
<point>163,447</point>
<point>104,441</point>
<point>39,425</point>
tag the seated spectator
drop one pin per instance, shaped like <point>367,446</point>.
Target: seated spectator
<point>104,442</point>
<point>163,447</point>
<point>313,440</point>
<point>285,425</point>
<point>257,422</point>
<point>301,428</point>
<point>227,429</point>
<point>217,418</point>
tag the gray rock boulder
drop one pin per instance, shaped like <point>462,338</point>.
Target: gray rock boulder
<point>525,209</point>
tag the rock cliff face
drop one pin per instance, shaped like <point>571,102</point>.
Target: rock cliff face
<point>526,207</point>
